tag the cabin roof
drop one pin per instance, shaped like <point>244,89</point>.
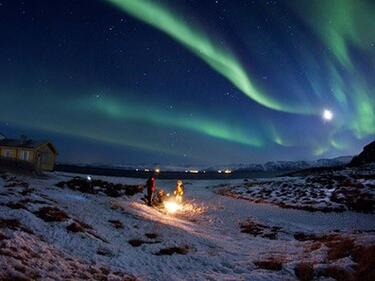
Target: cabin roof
<point>29,143</point>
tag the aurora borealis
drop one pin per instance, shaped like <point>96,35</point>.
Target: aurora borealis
<point>189,82</point>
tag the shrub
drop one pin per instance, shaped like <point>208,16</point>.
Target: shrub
<point>304,271</point>
<point>173,250</point>
<point>51,214</point>
<point>271,264</point>
<point>337,273</point>
<point>340,249</point>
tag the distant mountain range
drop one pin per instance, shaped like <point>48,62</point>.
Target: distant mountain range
<point>288,165</point>
<point>271,166</point>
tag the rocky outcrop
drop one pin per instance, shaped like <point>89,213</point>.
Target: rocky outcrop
<point>365,157</point>
<point>99,186</point>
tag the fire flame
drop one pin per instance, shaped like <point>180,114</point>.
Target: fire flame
<point>172,207</point>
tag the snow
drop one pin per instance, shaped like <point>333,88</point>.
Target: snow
<point>329,191</point>
<point>47,262</point>
<point>209,227</point>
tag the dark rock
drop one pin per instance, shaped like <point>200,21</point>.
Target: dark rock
<point>133,189</point>
<point>112,191</point>
<point>95,186</point>
<point>365,157</point>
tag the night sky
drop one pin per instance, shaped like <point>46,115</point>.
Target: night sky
<point>189,82</point>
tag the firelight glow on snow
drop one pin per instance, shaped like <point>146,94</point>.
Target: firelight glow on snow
<point>172,207</point>
<point>189,82</point>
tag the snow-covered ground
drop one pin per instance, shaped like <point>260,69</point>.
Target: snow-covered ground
<point>214,238</point>
<point>337,190</point>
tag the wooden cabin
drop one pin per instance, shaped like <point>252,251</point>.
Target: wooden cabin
<point>26,153</point>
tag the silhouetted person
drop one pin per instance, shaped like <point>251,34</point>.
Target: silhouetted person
<point>160,196</point>
<point>150,189</point>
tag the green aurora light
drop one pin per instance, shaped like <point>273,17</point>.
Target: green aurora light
<point>222,61</point>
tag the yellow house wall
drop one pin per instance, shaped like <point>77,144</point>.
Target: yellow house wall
<point>13,154</point>
<point>31,154</point>
<point>45,165</point>
<point>16,153</point>
<point>49,164</point>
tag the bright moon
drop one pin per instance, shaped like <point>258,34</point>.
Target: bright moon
<point>327,115</point>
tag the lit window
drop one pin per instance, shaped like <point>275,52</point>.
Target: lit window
<point>25,155</point>
<point>7,153</point>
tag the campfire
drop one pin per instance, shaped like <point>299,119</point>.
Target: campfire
<point>171,206</point>
<point>174,203</point>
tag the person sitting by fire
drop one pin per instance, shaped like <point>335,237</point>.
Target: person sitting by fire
<point>150,184</point>
<point>179,191</point>
<point>160,196</point>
